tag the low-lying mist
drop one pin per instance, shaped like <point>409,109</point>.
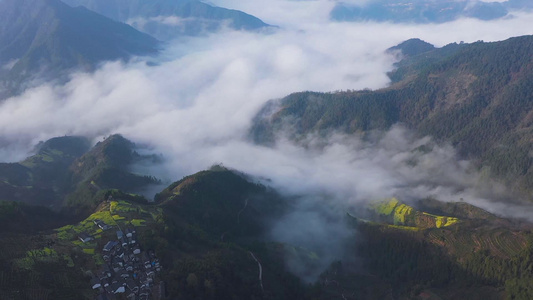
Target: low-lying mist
<point>195,103</point>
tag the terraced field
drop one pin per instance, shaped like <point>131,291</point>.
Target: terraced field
<point>115,213</point>
<point>118,214</point>
<point>396,213</point>
<point>459,238</point>
<point>500,242</point>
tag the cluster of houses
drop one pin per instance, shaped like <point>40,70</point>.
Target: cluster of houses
<point>127,269</point>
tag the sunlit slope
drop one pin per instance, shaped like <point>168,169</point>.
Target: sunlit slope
<point>397,213</point>
<point>475,231</point>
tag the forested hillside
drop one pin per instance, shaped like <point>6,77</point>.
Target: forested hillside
<point>66,174</point>
<point>477,97</point>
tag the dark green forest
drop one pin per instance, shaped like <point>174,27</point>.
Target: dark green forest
<point>478,97</point>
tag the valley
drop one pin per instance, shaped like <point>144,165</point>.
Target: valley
<point>189,150</point>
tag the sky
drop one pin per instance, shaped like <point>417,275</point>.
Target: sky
<point>196,105</point>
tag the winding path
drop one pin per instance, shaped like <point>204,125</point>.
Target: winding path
<point>239,214</point>
<point>260,271</point>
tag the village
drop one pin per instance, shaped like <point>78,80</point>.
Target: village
<point>128,271</point>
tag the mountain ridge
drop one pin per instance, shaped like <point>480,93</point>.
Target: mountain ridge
<point>184,17</point>
<point>475,96</point>
<point>45,39</point>
<point>426,11</point>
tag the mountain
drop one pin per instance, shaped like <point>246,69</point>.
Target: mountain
<point>206,231</point>
<point>425,11</point>
<point>66,174</point>
<point>477,97</point>
<point>43,39</point>
<point>105,166</point>
<point>168,19</point>
<point>412,47</point>
<point>41,178</point>
<point>222,203</point>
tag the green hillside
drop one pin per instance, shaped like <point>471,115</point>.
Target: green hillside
<point>222,203</point>
<point>428,255</point>
<point>476,96</point>
<point>42,179</point>
<point>208,231</point>
<point>203,256</point>
<point>105,166</point>
<point>67,175</point>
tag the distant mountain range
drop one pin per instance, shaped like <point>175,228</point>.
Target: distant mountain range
<point>41,39</point>
<point>479,97</point>
<point>168,19</point>
<point>426,11</point>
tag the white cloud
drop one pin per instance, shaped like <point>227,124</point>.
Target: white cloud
<point>206,91</point>
<point>7,66</point>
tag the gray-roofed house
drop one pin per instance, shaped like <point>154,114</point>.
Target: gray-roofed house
<point>85,237</point>
<point>95,283</point>
<point>117,288</point>
<point>102,224</point>
<point>129,232</point>
<point>110,246</point>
